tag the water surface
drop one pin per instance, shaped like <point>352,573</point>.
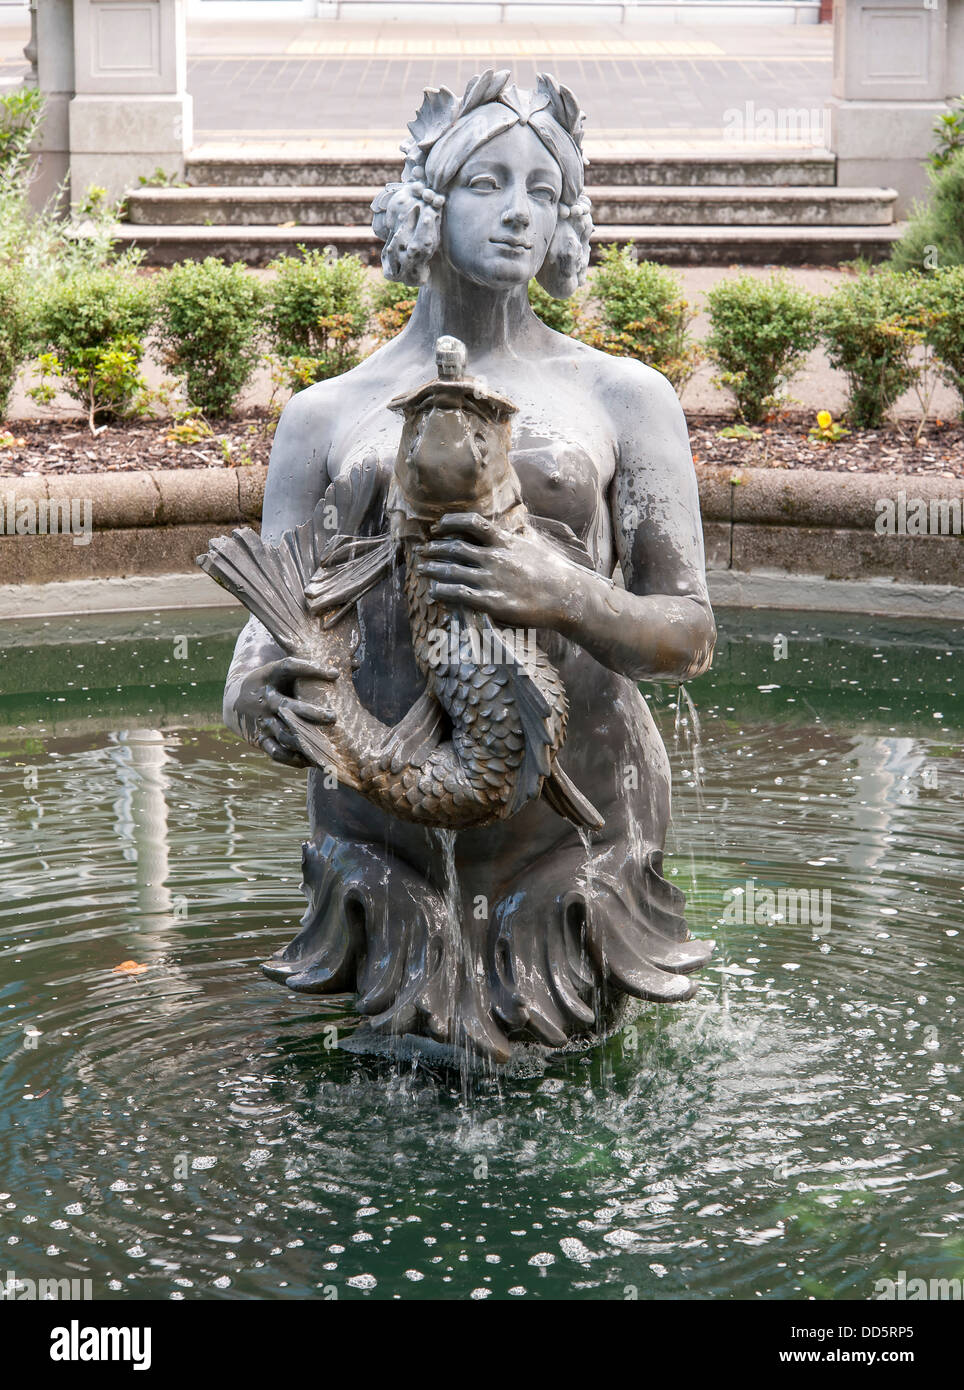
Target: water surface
<point>187,1129</point>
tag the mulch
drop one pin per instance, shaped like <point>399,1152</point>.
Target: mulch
<point>939,452</point>
<point>57,447</point>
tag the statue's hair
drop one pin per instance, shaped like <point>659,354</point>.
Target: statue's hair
<point>445,133</point>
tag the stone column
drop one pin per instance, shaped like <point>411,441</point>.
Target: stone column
<point>890,84</point>
<point>955,50</point>
<point>131,113</point>
<point>51,55</point>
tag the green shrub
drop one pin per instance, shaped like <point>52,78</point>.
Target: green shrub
<point>871,327</point>
<point>935,232</point>
<point>16,330</point>
<point>317,314</point>
<point>559,314</point>
<point>21,113</point>
<point>643,315</point>
<point>949,129</point>
<point>91,329</point>
<point>760,333</point>
<point>392,306</point>
<point>944,330</point>
<point>208,321</point>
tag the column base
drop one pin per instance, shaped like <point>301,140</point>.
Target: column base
<point>116,140</point>
<point>884,143</point>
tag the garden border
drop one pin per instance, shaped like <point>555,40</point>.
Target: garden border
<point>762,527</point>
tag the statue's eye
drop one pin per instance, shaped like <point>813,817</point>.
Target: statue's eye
<point>482,446</point>
<point>544,191</point>
<point>484,183</point>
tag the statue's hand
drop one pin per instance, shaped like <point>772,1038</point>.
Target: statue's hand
<point>264,692</point>
<point>516,577</point>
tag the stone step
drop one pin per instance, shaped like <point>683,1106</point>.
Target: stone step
<point>298,166</point>
<point>612,205</point>
<point>671,245</point>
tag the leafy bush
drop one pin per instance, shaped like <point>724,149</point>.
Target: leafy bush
<point>644,315</point>
<point>317,314</point>
<point>559,314</point>
<point>935,232</point>
<point>208,321</point>
<point>21,113</point>
<point>43,242</point>
<point>949,129</point>
<point>92,327</point>
<point>392,306</point>
<point>760,332</point>
<point>871,327</point>
<point>944,329</point>
<point>16,330</point>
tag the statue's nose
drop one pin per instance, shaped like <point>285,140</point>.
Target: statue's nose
<point>517,213</point>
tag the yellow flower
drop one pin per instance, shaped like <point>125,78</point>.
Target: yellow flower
<point>824,419</point>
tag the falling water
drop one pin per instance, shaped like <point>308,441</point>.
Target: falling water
<point>452,960</point>
<point>691,725</point>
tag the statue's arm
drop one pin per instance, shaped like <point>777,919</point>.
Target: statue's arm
<point>297,478</point>
<point>660,626</point>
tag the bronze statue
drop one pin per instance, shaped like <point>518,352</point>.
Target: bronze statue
<point>437,632</point>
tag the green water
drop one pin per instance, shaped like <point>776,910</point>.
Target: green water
<point>186,1131</point>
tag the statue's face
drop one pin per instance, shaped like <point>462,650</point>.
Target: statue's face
<point>501,209</point>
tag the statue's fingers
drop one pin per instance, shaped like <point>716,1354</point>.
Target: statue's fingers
<point>452,550</point>
<point>467,524</point>
<point>294,668</point>
<point>464,574</point>
<point>276,729</point>
<point>461,593</point>
<point>282,755</point>
<point>315,714</point>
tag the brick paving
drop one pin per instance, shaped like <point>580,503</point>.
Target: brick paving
<point>326,80</point>
<point>328,97</point>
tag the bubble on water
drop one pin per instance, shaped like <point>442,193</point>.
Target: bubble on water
<point>574,1249</point>
<point>362,1281</point>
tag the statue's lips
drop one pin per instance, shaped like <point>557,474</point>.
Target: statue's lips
<point>512,245</point>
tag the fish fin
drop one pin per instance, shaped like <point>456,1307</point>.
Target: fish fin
<point>270,579</point>
<point>535,714</point>
<point>565,798</point>
<point>415,736</point>
<point>315,745</point>
<point>354,496</point>
<point>564,538</point>
<point>341,585</point>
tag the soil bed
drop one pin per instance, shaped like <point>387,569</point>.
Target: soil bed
<point>57,447</point>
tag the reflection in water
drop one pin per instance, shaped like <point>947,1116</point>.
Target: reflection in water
<point>141,809</point>
<point>192,1131</point>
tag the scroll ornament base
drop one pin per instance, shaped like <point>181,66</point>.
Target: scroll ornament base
<point>546,966</point>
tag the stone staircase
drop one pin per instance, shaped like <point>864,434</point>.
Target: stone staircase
<point>683,206</point>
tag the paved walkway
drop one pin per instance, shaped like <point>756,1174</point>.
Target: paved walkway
<point>327,81</point>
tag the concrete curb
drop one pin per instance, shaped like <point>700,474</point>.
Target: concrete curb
<point>756,522</point>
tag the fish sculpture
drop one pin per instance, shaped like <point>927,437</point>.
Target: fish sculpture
<point>483,739</point>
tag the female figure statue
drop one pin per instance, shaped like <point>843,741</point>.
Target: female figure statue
<point>524,929</point>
